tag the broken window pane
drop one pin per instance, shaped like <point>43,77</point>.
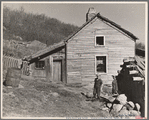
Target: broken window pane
<point>101,64</point>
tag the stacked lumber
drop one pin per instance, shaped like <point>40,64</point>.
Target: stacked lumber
<point>140,66</point>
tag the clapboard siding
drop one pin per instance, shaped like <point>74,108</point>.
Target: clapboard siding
<point>81,51</point>
<point>47,72</point>
<point>37,72</point>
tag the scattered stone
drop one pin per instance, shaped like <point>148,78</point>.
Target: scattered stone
<point>137,106</point>
<point>11,94</point>
<point>113,113</point>
<point>111,99</point>
<point>122,99</point>
<point>123,113</point>
<point>105,108</point>
<point>134,113</point>
<point>9,86</point>
<point>109,105</point>
<point>18,38</point>
<point>117,107</point>
<point>20,86</point>
<point>89,94</point>
<point>55,94</point>
<point>130,105</point>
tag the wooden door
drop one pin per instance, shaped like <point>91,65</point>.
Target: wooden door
<point>57,71</point>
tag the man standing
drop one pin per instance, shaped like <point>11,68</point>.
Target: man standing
<point>114,85</point>
<point>97,86</point>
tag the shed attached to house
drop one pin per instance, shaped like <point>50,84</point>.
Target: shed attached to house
<point>99,46</point>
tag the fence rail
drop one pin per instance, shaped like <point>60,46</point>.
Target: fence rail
<point>9,62</point>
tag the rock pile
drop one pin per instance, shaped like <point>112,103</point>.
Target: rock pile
<point>122,108</point>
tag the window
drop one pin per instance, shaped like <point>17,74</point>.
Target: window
<point>100,41</point>
<point>39,64</point>
<point>101,64</point>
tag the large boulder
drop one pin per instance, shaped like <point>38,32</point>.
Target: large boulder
<point>122,99</point>
<point>137,106</point>
<point>130,105</point>
<point>117,107</point>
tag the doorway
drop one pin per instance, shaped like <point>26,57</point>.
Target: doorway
<point>57,70</point>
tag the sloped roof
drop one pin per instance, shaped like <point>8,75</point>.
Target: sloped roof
<point>117,26</point>
<point>48,49</point>
<point>62,43</point>
<point>107,21</point>
<point>44,51</point>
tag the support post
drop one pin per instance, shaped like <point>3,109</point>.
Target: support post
<point>66,63</point>
<point>48,68</point>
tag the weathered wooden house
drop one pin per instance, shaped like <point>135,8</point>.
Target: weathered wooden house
<point>99,46</point>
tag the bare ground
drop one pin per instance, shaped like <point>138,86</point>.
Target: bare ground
<point>43,99</point>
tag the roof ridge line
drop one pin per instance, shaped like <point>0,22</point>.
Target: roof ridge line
<point>117,26</point>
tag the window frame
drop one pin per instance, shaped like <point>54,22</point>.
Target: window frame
<point>40,68</point>
<point>105,55</point>
<point>96,40</point>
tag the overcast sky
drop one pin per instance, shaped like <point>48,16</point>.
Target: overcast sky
<point>130,16</point>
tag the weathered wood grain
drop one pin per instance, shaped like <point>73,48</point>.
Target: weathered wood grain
<point>137,79</point>
<point>81,52</point>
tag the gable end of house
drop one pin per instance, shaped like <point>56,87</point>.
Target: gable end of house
<point>108,22</point>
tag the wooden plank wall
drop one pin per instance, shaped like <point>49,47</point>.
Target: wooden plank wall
<point>81,51</point>
<point>38,73</point>
<point>47,72</point>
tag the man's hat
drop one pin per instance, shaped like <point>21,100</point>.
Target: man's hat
<point>98,74</point>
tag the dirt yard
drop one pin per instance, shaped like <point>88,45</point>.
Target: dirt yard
<point>42,99</point>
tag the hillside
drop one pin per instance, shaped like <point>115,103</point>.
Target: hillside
<point>26,33</point>
<point>19,26</point>
<point>20,49</point>
<point>29,27</point>
<point>43,99</point>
